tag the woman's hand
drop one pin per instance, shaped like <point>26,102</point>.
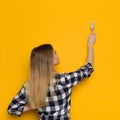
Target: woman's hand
<point>26,108</point>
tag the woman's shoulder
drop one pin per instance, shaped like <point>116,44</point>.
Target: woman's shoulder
<point>26,83</point>
<point>60,75</point>
<point>61,78</point>
<point>26,86</point>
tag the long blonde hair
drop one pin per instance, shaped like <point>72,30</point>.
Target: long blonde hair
<point>41,74</point>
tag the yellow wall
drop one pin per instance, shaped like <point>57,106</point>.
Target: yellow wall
<point>25,24</point>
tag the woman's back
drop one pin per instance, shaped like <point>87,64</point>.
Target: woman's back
<point>57,108</point>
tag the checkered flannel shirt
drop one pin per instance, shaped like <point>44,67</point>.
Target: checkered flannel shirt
<point>58,109</point>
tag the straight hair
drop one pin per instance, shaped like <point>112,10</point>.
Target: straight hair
<point>41,75</point>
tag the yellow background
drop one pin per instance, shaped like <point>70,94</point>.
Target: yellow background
<point>25,24</point>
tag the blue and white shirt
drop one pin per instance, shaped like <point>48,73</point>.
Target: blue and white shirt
<point>59,109</point>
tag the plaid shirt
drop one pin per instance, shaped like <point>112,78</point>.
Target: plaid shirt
<point>59,108</point>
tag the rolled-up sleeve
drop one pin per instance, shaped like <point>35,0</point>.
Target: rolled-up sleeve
<point>73,78</point>
<point>18,102</point>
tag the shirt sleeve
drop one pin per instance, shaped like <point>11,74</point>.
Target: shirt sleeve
<point>18,102</point>
<point>73,78</point>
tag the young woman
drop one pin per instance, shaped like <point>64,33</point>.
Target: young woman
<point>47,91</point>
